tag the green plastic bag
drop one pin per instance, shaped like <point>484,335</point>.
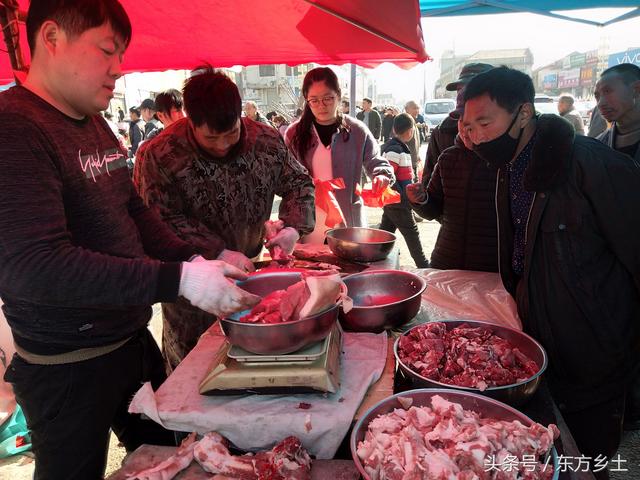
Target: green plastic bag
<point>14,435</point>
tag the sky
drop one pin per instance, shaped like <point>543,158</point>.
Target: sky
<point>549,39</point>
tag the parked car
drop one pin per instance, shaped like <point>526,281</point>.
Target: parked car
<point>437,110</point>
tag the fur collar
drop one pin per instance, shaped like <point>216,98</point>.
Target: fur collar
<point>551,153</point>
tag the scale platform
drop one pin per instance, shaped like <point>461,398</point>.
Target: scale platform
<point>313,369</point>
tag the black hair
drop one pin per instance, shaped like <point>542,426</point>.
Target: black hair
<point>108,115</point>
<point>402,122</point>
<point>628,71</point>
<point>508,87</point>
<point>346,103</point>
<point>135,110</point>
<point>168,100</point>
<point>211,98</point>
<point>76,17</point>
<point>302,138</point>
<point>270,115</point>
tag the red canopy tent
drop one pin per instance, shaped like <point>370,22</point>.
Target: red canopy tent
<point>180,35</point>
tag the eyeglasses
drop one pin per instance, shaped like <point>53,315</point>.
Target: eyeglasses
<point>326,101</point>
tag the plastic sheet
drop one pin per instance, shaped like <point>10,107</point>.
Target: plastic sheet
<point>465,294</point>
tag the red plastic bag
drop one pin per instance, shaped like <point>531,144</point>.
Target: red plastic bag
<point>388,196</point>
<point>326,200</point>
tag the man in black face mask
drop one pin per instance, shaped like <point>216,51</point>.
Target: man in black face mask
<point>568,249</point>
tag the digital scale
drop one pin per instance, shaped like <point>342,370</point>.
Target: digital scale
<point>313,369</point>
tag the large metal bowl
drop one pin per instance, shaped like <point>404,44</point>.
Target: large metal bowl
<point>515,394</point>
<point>279,338</point>
<point>382,299</point>
<point>486,407</point>
<point>360,244</point>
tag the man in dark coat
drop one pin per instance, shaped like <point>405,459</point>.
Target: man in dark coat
<point>568,249</point>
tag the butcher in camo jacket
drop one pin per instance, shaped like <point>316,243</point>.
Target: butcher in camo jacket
<point>213,177</point>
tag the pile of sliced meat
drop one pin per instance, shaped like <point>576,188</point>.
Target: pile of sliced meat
<point>288,460</point>
<point>316,292</point>
<point>465,356</point>
<point>445,441</point>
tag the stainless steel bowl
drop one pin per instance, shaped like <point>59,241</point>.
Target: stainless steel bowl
<point>382,299</point>
<point>515,394</point>
<point>486,407</point>
<point>280,338</point>
<point>360,244</point>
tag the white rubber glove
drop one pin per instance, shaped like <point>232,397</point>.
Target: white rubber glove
<point>285,239</point>
<point>237,259</point>
<point>208,286</point>
<point>379,184</point>
<point>416,193</point>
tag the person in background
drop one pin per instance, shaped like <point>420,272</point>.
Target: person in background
<point>412,109</point>
<point>170,107</point>
<point>212,177</point>
<point>399,216</point>
<point>568,250</point>
<point>152,125</point>
<point>387,124</point>
<point>568,111</point>
<point>370,117</point>
<point>81,258</point>
<point>281,124</point>
<point>332,145</point>
<point>136,130</point>
<point>253,113</point>
<point>618,95</point>
<point>443,136</point>
<point>120,115</point>
<point>344,107</point>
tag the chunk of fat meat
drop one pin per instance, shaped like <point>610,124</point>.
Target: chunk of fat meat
<point>440,466</point>
<point>213,456</point>
<point>386,423</point>
<point>422,418</point>
<point>443,407</point>
<point>173,465</point>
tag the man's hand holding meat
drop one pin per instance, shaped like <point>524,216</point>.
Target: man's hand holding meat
<point>237,259</point>
<point>285,239</point>
<point>209,286</point>
<point>380,183</point>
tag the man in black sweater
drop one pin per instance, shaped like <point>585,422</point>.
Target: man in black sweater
<point>81,257</point>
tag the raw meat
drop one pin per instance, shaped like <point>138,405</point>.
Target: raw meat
<point>314,293</point>
<point>445,441</point>
<point>288,460</point>
<point>465,356</point>
<point>272,227</point>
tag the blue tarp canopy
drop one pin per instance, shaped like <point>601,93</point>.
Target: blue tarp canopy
<point>446,8</point>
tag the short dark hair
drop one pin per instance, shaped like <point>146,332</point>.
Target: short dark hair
<point>108,115</point>
<point>346,103</point>
<point>135,110</point>
<point>628,71</point>
<point>211,98</point>
<point>508,87</point>
<point>168,100</point>
<point>402,122</point>
<point>76,17</point>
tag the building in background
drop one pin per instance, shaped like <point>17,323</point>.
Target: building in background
<point>451,64</point>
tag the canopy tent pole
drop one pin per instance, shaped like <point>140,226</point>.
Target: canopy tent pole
<point>515,9</point>
<point>9,16</point>
<point>361,26</point>
<point>352,91</point>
